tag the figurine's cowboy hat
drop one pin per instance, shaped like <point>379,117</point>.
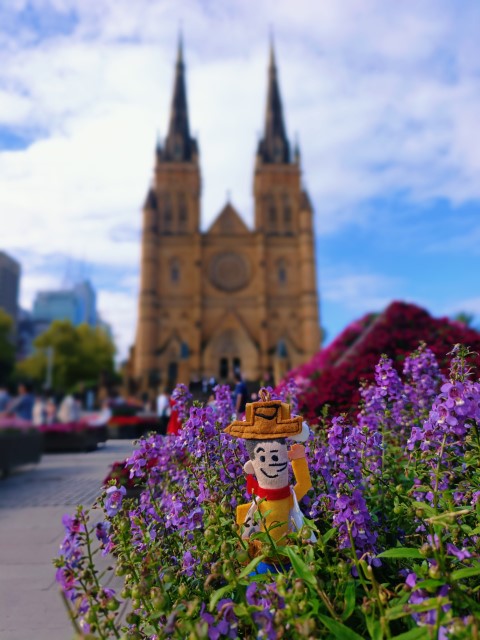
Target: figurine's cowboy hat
<point>265,420</point>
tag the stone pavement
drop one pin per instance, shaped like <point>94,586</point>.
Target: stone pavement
<point>32,503</point>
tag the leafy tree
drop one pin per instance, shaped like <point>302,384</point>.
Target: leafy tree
<point>79,354</point>
<point>7,347</point>
<point>466,318</point>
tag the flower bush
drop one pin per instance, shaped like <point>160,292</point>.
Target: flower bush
<point>332,377</point>
<point>395,507</point>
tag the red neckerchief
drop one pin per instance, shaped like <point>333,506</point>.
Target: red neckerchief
<point>270,494</point>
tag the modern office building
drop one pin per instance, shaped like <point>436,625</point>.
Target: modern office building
<point>78,305</point>
<point>9,285</point>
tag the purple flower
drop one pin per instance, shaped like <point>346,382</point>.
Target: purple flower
<point>461,554</point>
<point>223,405</point>
<point>65,577</point>
<point>182,397</point>
<point>224,624</point>
<point>113,499</point>
<point>189,563</point>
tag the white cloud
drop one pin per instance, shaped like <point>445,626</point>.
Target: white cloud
<point>359,292</point>
<point>468,305</point>
<point>384,97</point>
<point>119,309</point>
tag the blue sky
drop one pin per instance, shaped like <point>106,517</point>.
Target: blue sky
<point>383,96</point>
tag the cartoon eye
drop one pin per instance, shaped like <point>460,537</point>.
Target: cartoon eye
<point>262,458</point>
<point>275,458</point>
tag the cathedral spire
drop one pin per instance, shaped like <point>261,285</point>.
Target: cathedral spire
<point>274,146</point>
<point>179,146</point>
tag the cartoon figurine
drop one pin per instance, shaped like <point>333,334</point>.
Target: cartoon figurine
<point>266,426</point>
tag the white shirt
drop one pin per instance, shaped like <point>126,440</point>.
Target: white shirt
<point>163,405</point>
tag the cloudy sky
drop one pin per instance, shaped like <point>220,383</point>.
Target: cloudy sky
<point>384,97</point>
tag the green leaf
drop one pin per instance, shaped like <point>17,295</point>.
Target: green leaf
<point>401,552</point>
<point>250,567</point>
<point>219,594</point>
<point>417,633</point>
<point>429,511</point>
<point>339,630</point>
<point>349,600</point>
<point>326,536</point>
<point>300,567</point>
<point>468,572</point>
<point>374,627</point>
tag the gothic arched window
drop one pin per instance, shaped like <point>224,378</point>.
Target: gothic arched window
<point>282,271</point>
<point>174,270</point>
<point>167,213</point>
<point>287,213</point>
<point>182,212</point>
<point>271,212</point>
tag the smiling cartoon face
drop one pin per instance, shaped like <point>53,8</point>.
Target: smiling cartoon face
<point>270,463</point>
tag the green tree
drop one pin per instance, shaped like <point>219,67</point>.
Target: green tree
<point>466,318</point>
<point>78,354</point>
<point>7,347</point>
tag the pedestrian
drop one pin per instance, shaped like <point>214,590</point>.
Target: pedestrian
<point>22,406</point>
<point>163,409</point>
<point>240,394</point>
<point>4,397</point>
<point>69,409</point>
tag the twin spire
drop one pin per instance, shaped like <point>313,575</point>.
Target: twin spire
<point>181,147</point>
<point>274,146</point>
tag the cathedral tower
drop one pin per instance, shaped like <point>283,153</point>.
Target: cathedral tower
<point>170,250</point>
<point>284,220</point>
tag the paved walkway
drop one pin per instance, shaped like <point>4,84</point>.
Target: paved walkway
<point>32,503</point>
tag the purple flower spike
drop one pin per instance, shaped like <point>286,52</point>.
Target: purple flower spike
<point>113,500</point>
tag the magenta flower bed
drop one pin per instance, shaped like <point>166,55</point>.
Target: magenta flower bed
<point>333,376</point>
<point>70,436</point>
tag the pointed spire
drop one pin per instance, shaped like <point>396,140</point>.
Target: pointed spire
<point>179,146</point>
<point>274,146</point>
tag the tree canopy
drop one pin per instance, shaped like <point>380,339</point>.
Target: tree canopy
<point>79,354</point>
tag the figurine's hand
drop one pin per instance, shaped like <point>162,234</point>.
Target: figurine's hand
<point>296,451</point>
<point>250,527</point>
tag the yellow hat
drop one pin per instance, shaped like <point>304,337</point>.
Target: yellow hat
<point>266,420</point>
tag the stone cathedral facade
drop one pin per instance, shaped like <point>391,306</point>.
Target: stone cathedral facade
<point>229,297</point>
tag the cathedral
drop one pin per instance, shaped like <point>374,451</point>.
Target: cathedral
<point>229,298</point>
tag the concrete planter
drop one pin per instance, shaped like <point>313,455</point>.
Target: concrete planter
<point>59,442</point>
<point>19,447</point>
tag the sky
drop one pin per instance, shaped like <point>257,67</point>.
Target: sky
<point>383,97</point>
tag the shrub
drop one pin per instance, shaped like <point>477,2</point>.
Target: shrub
<point>333,375</point>
<point>395,505</point>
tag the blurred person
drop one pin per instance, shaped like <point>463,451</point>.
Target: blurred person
<point>4,398</point>
<point>240,394</point>
<point>22,405</point>
<point>212,383</point>
<point>90,399</point>
<point>174,423</point>
<point>163,408</point>
<point>211,400</point>
<point>50,407</point>
<point>69,409</point>
<point>39,411</point>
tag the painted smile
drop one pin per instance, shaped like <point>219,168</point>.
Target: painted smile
<point>283,466</point>
<point>266,474</point>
